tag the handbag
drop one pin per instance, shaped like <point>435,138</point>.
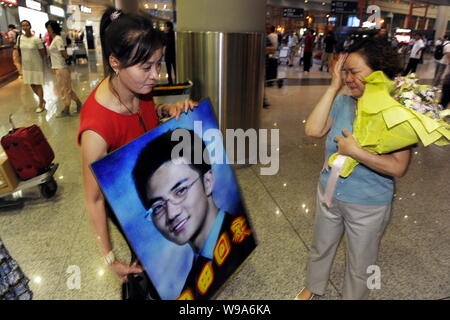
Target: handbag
<point>138,287</point>
<point>18,47</point>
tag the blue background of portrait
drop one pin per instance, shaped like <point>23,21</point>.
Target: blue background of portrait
<point>166,263</point>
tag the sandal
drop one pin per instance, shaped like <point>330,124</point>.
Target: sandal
<point>64,113</point>
<point>41,107</point>
<point>301,291</point>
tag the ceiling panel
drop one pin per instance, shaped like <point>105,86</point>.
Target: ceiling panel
<point>435,2</point>
<point>416,2</point>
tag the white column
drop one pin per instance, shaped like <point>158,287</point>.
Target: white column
<point>223,16</point>
<point>220,47</point>
<point>127,5</point>
<point>442,21</point>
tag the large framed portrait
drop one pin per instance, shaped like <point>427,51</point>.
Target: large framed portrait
<point>179,205</point>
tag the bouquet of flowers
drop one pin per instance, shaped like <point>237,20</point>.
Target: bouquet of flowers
<point>392,115</point>
<point>420,98</point>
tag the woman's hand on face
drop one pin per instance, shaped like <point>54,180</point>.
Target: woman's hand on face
<point>337,80</point>
<point>347,145</point>
<point>122,270</point>
<point>182,106</point>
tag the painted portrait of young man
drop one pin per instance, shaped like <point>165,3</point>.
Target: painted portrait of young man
<point>181,212</point>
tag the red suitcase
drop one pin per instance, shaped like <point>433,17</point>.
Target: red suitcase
<point>28,151</point>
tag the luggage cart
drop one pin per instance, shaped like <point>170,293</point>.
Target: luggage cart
<point>70,51</point>
<point>284,55</point>
<point>79,52</point>
<point>45,181</point>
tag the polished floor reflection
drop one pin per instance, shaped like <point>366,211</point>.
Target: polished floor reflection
<point>52,238</point>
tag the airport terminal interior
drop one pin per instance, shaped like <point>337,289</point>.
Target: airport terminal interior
<point>48,236</point>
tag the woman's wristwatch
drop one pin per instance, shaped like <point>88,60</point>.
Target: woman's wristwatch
<point>110,258</point>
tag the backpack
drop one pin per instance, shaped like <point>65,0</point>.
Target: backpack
<point>439,51</point>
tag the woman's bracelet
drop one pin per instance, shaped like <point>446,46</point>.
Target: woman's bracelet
<point>110,258</point>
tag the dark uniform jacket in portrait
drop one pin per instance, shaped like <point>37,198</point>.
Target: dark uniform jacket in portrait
<point>234,243</point>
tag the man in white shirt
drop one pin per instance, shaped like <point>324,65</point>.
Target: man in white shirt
<point>415,55</point>
<point>445,97</point>
<point>293,47</point>
<point>273,37</point>
<point>441,64</point>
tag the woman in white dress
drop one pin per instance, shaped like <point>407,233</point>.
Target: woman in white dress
<point>58,56</point>
<point>32,54</point>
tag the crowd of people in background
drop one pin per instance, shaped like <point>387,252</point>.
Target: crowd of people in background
<point>56,49</point>
<point>32,54</point>
<point>302,49</point>
<point>298,49</point>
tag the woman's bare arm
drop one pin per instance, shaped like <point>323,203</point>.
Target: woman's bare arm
<point>93,148</point>
<point>319,122</point>
<point>393,164</point>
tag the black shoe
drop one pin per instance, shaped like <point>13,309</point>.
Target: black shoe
<point>266,105</point>
<point>280,84</point>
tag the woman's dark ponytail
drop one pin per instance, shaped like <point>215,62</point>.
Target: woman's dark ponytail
<point>131,38</point>
<point>104,24</point>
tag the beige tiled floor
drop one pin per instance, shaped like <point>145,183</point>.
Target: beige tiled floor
<point>48,236</point>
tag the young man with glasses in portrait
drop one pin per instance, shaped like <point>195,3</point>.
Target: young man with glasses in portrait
<point>178,197</point>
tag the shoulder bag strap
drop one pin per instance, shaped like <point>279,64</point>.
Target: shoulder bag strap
<point>18,46</point>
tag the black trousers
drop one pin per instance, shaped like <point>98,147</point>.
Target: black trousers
<point>445,98</point>
<point>271,68</point>
<point>307,61</point>
<point>412,66</point>
<point>169,65</point>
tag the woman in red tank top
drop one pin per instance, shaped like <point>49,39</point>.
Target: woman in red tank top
<point>121,109</point>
